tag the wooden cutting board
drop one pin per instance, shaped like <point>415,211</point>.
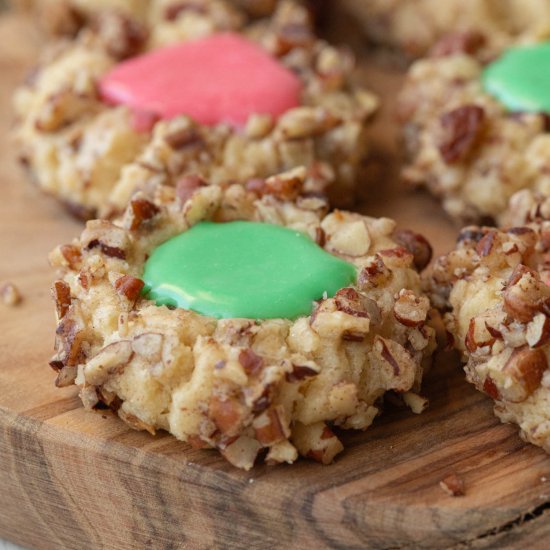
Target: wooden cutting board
<point>79,480</point>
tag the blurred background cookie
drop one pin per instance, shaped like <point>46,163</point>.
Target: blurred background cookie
<point>80,123</point>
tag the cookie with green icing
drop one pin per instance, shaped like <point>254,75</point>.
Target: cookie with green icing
<point>476,132</point>
<point>284,319</point>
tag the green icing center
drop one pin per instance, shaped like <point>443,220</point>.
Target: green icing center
<point>243,269</point>
<point>520,78</point>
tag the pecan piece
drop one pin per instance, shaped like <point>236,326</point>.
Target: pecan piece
<point>271,426</point>
<point>479,335</point>
<point>320,236</point>
<point>66,377</point>
<point>468,42</point>
<point>70,335</point>
<point>470,234</point>
<point>142,211</point>
<point>524,295</point>
<point>10,294</point>
<point>353,336</point>
<point>110,239</point>
<point>186,186</point>
<point>316,441</point>
<point>183,138</point>
<point>62,108</point>
<point>486,244</point>
<point>352,238</point>
<point>136,423</point>
<point>397,257</point>
<point>256,186</point>
<point>129,286</point>
<point>300,372</point>
<point>411,310</point>
<point>293,35</point>
<point>306,122</point>
<point>417,245</point>
<point>252,363</point>
<point>110,360</point>
<point>56,364</point>
<point>84,279</point>
<point>62,296</point>
<point>348,300</point>
<point>397,366</point>
<point>452,485</point>
<point>241,452</point>
<point>387,355</point>
<point>525,368</point>
<point>123,36</point>
<point>281,452</point>
<point>462,128</point>
<point>285,186</point>
<point>538,330</point>
<point>71,254</point>
<point>227,413</point>
<point>490,388</point>
<point>374,273</point>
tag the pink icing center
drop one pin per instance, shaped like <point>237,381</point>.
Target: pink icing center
<point>221,78</point>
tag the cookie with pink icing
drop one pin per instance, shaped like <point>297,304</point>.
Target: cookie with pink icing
<point>124,107</point>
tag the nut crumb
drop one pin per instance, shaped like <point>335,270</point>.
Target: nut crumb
<point>453,485</point>
<point>10,294</point>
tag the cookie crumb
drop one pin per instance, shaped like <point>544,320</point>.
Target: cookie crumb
<point>415,402</point>
<point>10,294</point>
<point>453,485</point>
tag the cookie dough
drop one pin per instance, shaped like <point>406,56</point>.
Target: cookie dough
<point>275,387</point>
<point>496,285</point>
<point>93,156</point>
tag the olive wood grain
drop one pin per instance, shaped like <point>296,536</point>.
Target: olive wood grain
<point>74,479</point>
